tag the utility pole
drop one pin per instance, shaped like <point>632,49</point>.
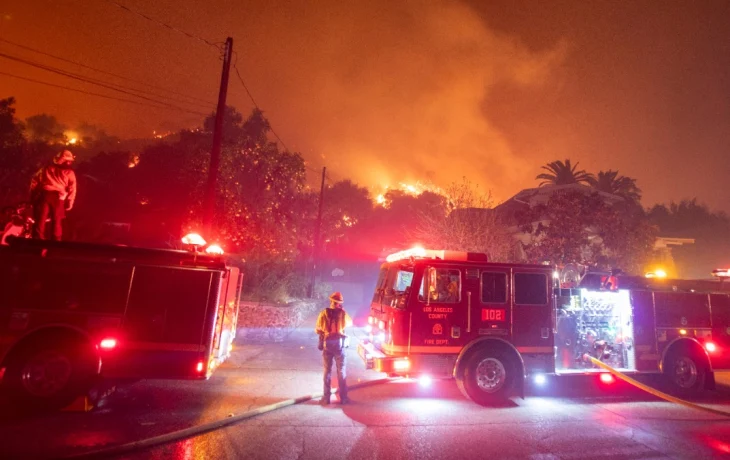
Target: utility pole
<point>317,230</point>
<point>215,151</point>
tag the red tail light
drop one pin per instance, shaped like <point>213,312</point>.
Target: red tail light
<point>108,344</point>
<point>199,367</point>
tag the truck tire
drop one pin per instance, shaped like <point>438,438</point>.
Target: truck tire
<point>685,372</point>
<point>489,376</point>
<point>49,375</point>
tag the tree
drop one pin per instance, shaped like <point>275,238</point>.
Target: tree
<point>233,128</point>
<point>562,173</point>
<point>691,219</point>
<point>11,129</point>
<point>467,223</point>
<point>345,205</point>
<point>18,161</point>
<point>45,129</point>
<point>610,182</point>
<point>573,227</point>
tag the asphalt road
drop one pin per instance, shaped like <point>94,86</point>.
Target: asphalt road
<point>565,419</point>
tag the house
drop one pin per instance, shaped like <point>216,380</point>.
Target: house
<point>510,209</point>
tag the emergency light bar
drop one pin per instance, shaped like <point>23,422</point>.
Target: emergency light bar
<point>436,254</point>
<point>407,254</point>
<point>193,239</point>
<point>721,272</point>
<point>656,274</point>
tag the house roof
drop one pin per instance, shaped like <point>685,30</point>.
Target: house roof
<point>529,197</point>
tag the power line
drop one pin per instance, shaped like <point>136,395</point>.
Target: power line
<point>163,24</point>
<point>96,94</point>
<point>106,72</point>
<point>113,87</point>
<point>240,78</point>
<point>108,85</point>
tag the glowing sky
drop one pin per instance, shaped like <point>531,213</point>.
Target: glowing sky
<point>384,91</point>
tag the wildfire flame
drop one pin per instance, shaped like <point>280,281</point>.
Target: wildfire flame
<point>414,189</point>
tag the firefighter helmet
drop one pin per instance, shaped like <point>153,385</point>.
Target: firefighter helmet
<point>64,156</point>
<point>336,297</point>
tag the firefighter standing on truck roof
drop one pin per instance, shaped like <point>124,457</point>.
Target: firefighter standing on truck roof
<point>52,192</point>
<point>330,326</point>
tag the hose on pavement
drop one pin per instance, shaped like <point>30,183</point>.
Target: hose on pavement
<point>206,427</point>
<point>655,392</point>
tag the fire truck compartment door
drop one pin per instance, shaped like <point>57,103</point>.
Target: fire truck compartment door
<point>645,339</point>
<point>490,311</point>
<point>720,305</point>
<point>167,314</point>
<point>531,311</point>
<point>440,317</point>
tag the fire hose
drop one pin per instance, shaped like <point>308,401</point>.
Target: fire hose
<point>222,423</point>
<point>655,392</point>
<point>206,427</point>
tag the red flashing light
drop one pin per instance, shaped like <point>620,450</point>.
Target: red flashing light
<point>401,364</point>
<point>711,347</point>
<point>193,239</point>
<point>607,378</point>
<point>214,249</point>
<point>199,367</point>
<point>108,344</point>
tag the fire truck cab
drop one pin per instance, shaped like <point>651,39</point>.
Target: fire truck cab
<point>492,325</point>
<point>71,313</point>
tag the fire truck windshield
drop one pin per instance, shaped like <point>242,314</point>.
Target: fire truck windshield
<point>402,280</point>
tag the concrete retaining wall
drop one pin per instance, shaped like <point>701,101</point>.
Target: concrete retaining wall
<point>260,322</point>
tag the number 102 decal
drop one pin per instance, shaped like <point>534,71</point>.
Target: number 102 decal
<point>490,314</point>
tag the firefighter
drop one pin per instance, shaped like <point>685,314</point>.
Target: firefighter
<point>331,325</point>
<point>52,192</point>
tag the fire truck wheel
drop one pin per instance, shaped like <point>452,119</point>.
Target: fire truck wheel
<point>44,376</point>
<point>685,373</point>
<point>488,377</point>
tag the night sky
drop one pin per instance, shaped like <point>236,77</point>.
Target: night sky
<point>384,91</point>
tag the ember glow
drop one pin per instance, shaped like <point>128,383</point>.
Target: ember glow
<point>413,189</point>
<point>378,91</point>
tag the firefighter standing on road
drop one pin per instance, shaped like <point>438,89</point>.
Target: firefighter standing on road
<point>52,192</point>
<point>331,325</point>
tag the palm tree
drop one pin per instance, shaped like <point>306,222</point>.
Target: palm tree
<point>562,173</point>
<point>610,182</point>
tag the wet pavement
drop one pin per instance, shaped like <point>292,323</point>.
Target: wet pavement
<point>574,418</point>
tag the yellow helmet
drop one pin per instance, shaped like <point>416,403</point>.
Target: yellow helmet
<point>337,297</point>
<point>64,156</point>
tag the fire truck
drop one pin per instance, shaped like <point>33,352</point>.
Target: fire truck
<point>73,313</point>
<point>492,326</point>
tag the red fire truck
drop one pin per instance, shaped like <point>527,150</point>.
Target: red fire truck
<point>493,325</point>
<point>71,313</point>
